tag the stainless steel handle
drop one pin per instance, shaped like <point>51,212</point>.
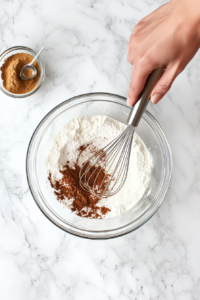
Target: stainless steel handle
<point>138,109</point>
<point>36,56</point>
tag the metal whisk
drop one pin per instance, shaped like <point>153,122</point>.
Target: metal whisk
<point>105,172</point>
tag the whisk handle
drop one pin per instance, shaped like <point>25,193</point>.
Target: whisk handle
<point>138,109</point>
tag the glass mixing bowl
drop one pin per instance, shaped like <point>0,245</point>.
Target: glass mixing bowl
<point>42,141</point>
<point>21,49</point>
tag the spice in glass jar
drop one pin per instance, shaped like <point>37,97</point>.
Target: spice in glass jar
<point>10,75</point>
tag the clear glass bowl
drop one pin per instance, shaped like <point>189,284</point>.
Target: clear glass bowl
<point>42,141</point>
<point>21,49</point>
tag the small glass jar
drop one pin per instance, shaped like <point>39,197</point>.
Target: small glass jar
<point>21,49</point>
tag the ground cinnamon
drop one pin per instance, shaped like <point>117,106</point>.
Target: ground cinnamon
<point>85,203</point>
<point>11,74</point>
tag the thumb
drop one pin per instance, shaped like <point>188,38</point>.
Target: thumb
<point>163,85</point>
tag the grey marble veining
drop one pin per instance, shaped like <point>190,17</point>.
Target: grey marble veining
<point>85,45</point>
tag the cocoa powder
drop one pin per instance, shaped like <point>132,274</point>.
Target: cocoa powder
<point>10,75</point>
<point>85,203</point>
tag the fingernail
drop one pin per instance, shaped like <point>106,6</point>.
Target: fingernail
<point>155,98</point>
<point>128,102</point>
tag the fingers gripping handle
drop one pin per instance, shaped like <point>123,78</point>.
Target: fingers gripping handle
<point>138,109</point>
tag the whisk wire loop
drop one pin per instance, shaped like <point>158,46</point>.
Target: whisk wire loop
<point>111,161</point>
<point>122,166</point>
<point>100,152</point>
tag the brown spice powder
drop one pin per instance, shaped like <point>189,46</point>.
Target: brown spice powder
<point>84,202</point>
<point>28,73</point>
<point>11,68</point>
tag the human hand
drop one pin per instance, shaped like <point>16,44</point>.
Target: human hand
<point>170,36</point>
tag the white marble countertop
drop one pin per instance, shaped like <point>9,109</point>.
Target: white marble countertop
<point>85,44</point>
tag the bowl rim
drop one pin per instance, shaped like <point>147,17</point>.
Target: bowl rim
<point>46,212</point>
<point>41,79</point>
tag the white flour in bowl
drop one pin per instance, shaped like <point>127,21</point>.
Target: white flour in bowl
<point>96,128</point>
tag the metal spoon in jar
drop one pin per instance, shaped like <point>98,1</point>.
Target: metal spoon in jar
<point>29,71</point>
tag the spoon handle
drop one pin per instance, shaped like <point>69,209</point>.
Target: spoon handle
<point>37,55</point>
